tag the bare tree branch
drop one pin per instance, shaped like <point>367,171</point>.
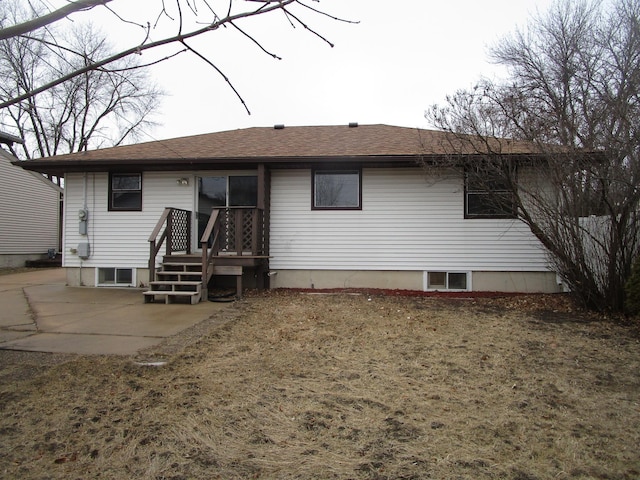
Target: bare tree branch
<point>85,112</point>
<point>258,44</point>
<point>180,38</point>
<point>62,12</point>
<point>306,27</point>
<point>332,17</point>
<point>573,95</point>
<point>226,79</point>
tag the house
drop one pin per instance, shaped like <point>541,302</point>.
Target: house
<point>29,212</point>
<point>294,207</point>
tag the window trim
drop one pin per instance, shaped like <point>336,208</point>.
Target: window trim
<point>115,276</point>
<point>467,192</point>
<point>111,207</point>
<point>446,288</point>
<point>314,171</point>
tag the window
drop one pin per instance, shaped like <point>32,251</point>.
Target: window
<point>115,276</point>
<point>488,197</point>
<point>125,191</point>
<point>231,191</point>
<point>337,190</point>
<point>224,191</point>
<point>446,280</point>
<point>243,191</point>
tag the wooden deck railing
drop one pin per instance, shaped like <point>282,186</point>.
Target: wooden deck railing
<point>176,235</point>
<point>242,231</point>
<point>229,231</point>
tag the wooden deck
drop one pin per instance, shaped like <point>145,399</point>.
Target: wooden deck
<point>233,243</point>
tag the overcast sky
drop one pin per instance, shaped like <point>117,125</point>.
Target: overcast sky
<point>402,57</point>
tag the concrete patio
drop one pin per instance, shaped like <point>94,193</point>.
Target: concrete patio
<point>40,313</point>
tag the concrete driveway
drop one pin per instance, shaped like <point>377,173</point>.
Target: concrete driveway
<point>39,313</point>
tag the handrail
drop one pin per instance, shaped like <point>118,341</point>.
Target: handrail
<point>213,218</point>
<point>161,221</point>
<point>177,234</point>
<point>223,233</point>
<point>209,253</point>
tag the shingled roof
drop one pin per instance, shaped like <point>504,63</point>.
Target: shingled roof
<point>284,145</point>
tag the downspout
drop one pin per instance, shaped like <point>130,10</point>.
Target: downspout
<point>84,191</point>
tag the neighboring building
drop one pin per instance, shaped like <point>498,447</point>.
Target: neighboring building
<point>306,207</point>
<point>29,212</point>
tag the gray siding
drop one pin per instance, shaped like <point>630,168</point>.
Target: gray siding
<point>29,210</point>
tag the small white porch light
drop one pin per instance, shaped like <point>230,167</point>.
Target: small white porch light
<point>182,181</point>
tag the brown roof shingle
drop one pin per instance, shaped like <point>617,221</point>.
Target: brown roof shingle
<point>289,144</point>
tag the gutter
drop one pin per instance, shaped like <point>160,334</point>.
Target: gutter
<point>172,164</point>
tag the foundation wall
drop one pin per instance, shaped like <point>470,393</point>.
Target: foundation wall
<point>521,282</point>
<point>86,276</point>
<point>512,282</point>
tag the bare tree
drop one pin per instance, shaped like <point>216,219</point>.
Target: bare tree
<point>92,109</point>
<point>192,18</point>
<point>573,94</point>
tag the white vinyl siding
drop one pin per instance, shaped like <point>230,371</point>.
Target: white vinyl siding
<point>407,222</point>
<point>119,239</point>
<point>29,210</point>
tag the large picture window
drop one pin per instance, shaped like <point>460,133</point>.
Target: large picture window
<point>488,197</point>
<point>337,190</point>
<point>125,191</point>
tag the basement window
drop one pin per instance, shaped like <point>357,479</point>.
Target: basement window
<point>115,277</point>
<point>447,281</point>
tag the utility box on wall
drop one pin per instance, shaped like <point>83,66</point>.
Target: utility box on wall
<point>83,218</point>
<point>84,250</point>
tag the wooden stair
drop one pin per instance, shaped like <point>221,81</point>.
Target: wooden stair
<point>180,276</point>
<point>176,280</point>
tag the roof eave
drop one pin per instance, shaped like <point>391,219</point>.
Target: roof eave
<point>8,139</point>
<point>181,164</point>
<point>75,165</point>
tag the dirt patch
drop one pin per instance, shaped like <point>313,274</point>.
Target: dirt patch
<point>299,385</point>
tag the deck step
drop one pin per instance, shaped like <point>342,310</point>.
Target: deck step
<point>181,264</point>
<point>183,279</point>
<point>169,296</point>
<point>177,293</point>
<point>176,279</point>
<point>178,272</point>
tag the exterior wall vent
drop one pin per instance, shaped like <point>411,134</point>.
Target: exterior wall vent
<point>279,126</point>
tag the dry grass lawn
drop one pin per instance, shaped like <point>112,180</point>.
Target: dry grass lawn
<point>341,386</point>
